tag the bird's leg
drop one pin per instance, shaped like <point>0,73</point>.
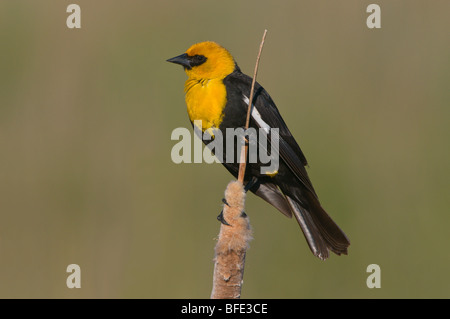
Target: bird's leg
<point>253,182</point>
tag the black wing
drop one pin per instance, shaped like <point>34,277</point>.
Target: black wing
<point>320,231</point>
<point>290,151</point>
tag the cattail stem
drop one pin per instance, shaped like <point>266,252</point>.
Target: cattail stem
<point>244,149</point>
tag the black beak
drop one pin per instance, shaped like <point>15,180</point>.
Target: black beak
<point>182,60</point>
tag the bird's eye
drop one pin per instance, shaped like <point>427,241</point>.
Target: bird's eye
<point>198,59</point>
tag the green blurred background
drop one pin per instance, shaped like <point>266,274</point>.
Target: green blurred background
<point>86,175</point>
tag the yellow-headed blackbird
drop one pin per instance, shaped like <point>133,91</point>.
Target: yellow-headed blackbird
<point>217,93</point>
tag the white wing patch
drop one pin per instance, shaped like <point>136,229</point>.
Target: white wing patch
<point>257,116</point>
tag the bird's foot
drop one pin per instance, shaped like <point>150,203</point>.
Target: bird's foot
<point>221,219</point>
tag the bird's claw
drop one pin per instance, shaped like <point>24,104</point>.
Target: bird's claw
<point>225,202</point>
<point>221,219</point>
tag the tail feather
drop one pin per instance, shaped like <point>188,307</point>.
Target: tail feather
<point>321,232</point>
<point>312,235</point>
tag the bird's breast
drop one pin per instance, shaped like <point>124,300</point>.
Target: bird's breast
<point>206,100</point>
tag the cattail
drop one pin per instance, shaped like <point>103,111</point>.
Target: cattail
<point>232,245</point>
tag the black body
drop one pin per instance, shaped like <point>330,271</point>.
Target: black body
<point>290,190</point>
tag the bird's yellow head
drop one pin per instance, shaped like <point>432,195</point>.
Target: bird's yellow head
<point>206,60</point>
